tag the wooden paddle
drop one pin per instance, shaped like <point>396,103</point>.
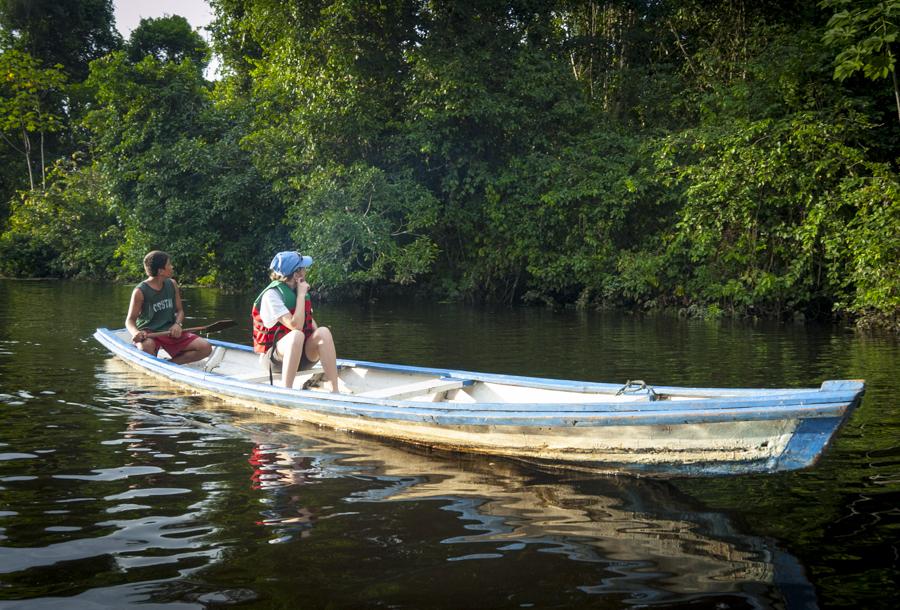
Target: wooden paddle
<point>209,328</point>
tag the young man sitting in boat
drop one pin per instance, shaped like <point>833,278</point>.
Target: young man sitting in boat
<point>156,316</point>
<point>286,334</point>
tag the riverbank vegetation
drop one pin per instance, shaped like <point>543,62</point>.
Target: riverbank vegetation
<point>717,157</point>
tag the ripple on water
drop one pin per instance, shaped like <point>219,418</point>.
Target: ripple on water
<point>121,508</point>
<point>168,536</point>
<point>74,500</point>
<point>16,456</point>
<point>144,493</point>
<point>112,474</point>
<point>145,561</point>
<point>475,556</point>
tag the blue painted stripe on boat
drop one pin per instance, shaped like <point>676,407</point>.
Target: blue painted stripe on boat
<point>805,400</point>
<point>571,420</point>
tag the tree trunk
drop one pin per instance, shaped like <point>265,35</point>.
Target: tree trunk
<point>43,165</point>
<point>896,92</point>
<point>27,142</point>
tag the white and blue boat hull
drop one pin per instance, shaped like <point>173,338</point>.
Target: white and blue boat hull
<point>663,431</point>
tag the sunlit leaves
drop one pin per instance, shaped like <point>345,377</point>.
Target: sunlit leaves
<point>25,87</point>
<point>70,223</point>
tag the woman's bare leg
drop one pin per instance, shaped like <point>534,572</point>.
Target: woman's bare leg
<point>290,348</point>
<point>320,346</point>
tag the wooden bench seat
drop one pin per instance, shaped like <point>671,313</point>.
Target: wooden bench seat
<point>249,376</point>
<point>303,378</point>
<point>417,388</point>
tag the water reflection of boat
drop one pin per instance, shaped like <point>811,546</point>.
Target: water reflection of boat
<point>603,427</point>
<point>655,545</point>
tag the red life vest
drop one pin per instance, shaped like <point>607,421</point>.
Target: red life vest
<point>265,337</point>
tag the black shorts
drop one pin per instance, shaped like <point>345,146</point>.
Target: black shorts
<point>305,363</point>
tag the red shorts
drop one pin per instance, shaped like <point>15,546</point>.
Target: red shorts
<point>172,346</point>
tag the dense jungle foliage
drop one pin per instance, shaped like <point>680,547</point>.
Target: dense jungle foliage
<point>712,156</point>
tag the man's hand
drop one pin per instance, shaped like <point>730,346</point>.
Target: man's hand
<point>140,337</point>
<point>175,330</point>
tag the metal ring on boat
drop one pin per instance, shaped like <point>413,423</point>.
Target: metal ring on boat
<point>633,387</point>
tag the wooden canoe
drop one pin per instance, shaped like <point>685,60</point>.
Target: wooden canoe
<point>658,431</point>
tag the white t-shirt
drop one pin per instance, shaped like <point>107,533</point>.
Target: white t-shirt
<point>272,307</point>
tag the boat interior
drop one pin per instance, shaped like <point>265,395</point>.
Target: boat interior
<point>382,381</point>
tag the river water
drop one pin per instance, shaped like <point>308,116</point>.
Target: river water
<point>117,491</point>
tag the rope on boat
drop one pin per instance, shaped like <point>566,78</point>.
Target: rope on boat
<point>633,387</point>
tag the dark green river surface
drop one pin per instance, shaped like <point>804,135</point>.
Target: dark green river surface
<point>118,491</point>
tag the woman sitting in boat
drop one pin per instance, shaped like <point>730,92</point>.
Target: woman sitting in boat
<point>286,334</point>
<point>156,308</point>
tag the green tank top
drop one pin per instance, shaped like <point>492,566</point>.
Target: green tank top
<point>158,312</point>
